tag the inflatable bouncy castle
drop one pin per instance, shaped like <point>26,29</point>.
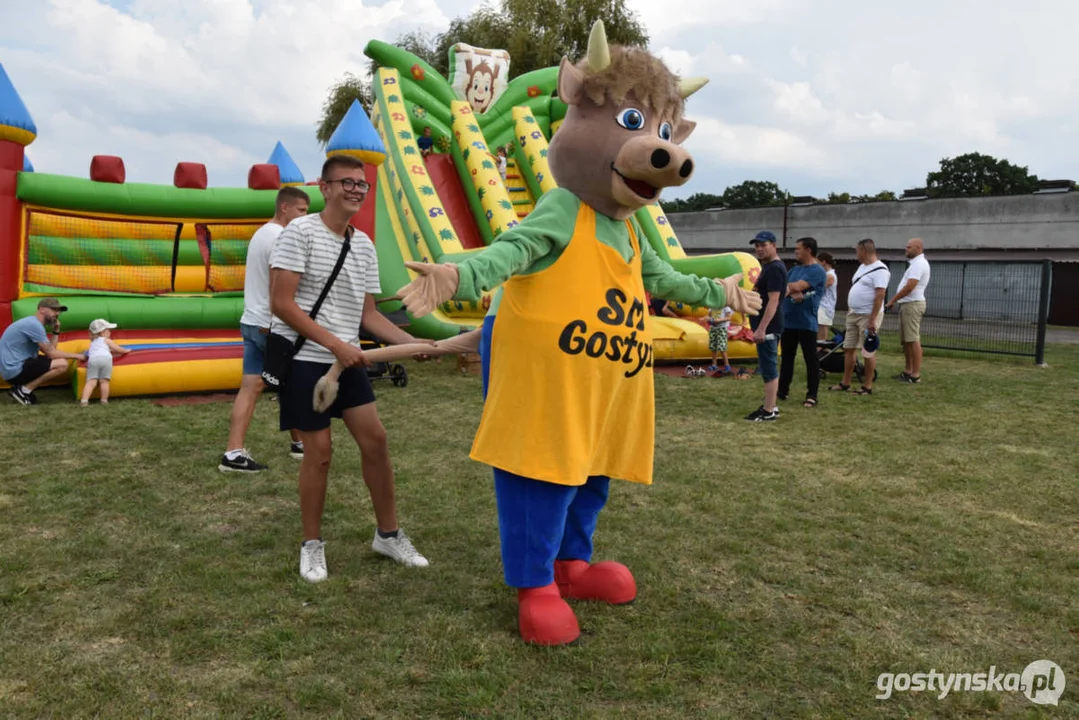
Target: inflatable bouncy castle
<point>166,262</point>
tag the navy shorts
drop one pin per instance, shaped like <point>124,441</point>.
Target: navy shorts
<point>254,349</point>
<point>767,356</point>
<point>298,396</point>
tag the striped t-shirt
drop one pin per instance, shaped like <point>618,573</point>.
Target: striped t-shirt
<point>308,247</point>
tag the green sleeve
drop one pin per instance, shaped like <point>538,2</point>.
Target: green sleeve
<point>547,230</point>
<point>663,281</point>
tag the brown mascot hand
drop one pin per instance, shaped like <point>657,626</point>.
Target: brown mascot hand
<point>740,300</point>
<point>436,284</point>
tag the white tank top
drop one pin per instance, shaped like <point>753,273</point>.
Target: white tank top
<point>98,348</point>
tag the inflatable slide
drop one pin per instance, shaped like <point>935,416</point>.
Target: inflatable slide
<point>438,215</point>
<point>166,262</point>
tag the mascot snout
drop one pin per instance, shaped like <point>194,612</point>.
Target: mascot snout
<point>646,165</point>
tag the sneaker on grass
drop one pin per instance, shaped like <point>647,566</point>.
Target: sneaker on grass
<point>296,450</point>
<point>762,415</point>
<point>21,395</point>
<point>313,561</point>
<point>239,461</point>
<point>400,548</point>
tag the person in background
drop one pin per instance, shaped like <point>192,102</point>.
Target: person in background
<point>865,313</point>
<point>28,359</point>
<point>291,203</point>
<point>718,326</point>
<point>911,300</point>
<point>768,325</point>
<point>501,160</point>
<point>99,360</point>
<point>805,289</point>
<point>826,312</point>
<point>659,306</point>
<point>425,142</point>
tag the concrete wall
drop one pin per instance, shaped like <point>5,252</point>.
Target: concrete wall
<point>1014,222</point>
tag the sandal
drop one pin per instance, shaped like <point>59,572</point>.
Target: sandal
<point>810,403</point>
<point>864,391</point>
<point>840,387</point>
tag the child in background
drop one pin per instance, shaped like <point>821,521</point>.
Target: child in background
<point>502,162</point>
<point>99,360</point>
<point>718,325</point>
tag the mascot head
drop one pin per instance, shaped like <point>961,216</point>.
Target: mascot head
<point>621,140</point>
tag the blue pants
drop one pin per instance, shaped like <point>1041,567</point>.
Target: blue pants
<point>540,522</point>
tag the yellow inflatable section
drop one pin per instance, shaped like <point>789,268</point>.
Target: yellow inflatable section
<point>483,170</point>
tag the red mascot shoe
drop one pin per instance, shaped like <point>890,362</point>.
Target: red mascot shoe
<point>545,618</point>
<point>606,581</point>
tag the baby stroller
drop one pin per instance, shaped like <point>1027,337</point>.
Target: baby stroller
<point>394,372</point>
<point>830,357</point>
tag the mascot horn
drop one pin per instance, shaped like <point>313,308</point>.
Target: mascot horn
<point>566,347</point>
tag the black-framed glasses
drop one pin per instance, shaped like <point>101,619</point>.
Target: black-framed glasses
<point>349,184</point>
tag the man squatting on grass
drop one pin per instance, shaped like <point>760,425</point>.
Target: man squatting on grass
<point>292,202</point>
<point>28,359</point>
<point>301,262</point>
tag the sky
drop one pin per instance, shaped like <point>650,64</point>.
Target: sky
<point>817,95</point>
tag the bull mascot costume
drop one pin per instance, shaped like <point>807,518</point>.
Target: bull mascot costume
<point>566,347</point>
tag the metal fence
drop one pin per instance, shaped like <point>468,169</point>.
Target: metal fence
<point>981,306</point>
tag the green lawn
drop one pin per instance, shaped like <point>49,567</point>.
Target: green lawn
<point>782,567</point>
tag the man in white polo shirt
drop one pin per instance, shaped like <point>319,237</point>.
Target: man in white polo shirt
<point>291,203</point>
<point>865,313</point>
<point>911,301</point>
<point>301,263</point>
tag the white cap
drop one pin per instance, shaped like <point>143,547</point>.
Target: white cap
<point>101,325</point>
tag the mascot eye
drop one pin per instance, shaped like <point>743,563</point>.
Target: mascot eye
<point>665,131</point>
<point>631,119</point>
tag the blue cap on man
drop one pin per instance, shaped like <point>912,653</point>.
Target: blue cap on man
<point>763,236</point>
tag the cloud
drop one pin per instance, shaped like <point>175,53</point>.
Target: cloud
<point>858,99</point>
<point>181,78</point>
<point>752,145</point>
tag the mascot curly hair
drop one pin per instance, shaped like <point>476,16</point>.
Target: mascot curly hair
<point>566,347</point>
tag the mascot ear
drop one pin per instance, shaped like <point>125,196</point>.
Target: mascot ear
<point>682,131</point>
<point>570,82</point>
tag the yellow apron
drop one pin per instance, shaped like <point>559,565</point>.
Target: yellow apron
<point>570,392</point>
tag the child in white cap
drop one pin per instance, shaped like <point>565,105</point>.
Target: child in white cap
<point>99,360</point>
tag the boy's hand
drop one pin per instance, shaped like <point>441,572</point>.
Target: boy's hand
<point>349,355</point>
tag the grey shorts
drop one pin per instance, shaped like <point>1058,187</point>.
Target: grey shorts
<point>99,368</point>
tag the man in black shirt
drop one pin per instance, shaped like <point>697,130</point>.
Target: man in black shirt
<point>768,325</point>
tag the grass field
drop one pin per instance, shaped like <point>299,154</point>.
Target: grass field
<point>782,567</point>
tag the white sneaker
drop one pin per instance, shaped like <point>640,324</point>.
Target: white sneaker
<point>399,548</point>
<point>313,561</point>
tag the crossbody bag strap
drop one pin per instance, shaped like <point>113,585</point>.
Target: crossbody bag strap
<point>863,277</point>
<point>300,339</point>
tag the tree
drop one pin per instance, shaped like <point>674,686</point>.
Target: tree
<point>882,196</point>
<point>536,33</point>
<point>753,193</point>
<point>694,203</point>
<point>423,46</point>
<point>975,174</point>
<point>339,101</point>
<point>542,32</point>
